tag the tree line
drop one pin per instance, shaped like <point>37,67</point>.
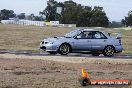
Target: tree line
<point>6,14</point>
<point>127,21</point>
<point>86,16</point>
<point>71,13</point>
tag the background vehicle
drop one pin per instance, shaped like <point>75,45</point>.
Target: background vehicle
<point>83,40</point>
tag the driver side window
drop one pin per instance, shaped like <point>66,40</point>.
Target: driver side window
<point>85,35</point>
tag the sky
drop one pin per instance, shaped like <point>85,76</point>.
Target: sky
<point>115,9</point>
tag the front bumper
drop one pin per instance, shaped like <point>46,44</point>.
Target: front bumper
<point>118,48</point>
<point>49,47</point>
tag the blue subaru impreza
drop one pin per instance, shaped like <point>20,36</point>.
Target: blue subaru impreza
<point>84,40</point>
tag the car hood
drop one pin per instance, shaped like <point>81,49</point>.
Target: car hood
<point>54,39</point>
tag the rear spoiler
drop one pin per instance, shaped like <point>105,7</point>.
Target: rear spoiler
<point>116,35</point>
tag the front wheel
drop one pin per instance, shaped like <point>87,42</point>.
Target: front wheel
<point>64,49</point>
<point>109,51</point>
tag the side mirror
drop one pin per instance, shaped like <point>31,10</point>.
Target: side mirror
<point>109,34</point>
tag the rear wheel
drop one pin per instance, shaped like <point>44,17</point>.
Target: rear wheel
<point>64,49</point>
<point>109,51</point>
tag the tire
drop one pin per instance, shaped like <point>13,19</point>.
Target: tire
<point>95,54</point>
<point>64,49</point>
<point>52,53</point>
<point>109,51</point>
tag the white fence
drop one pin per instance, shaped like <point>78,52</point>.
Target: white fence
<point>24,22</point>
<point>37,23</point>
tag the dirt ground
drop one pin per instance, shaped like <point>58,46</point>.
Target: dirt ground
<point>19,71</point>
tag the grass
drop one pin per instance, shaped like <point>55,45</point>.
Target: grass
<point>27,38</point>
<point>8,87</point>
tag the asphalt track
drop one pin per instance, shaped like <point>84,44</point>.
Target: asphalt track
<point>28,53</point>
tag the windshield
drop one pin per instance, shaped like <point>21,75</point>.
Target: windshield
<point>72,33</point>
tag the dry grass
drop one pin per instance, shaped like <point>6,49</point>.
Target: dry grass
<point>16,37</point>
<point>27,38</point>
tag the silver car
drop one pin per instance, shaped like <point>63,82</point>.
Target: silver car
<point>83,41</point>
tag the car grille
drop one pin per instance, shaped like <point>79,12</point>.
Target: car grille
<point>43,47</point>
<point>45,42</point>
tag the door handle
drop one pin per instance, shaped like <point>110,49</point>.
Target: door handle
<point>89,41</point>
<point>104,40</point>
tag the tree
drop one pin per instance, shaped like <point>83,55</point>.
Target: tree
<point>99,18</point>
<point>84,16</point>
<point>70,13</point>
<point>73,13</point>
<point>35,18</point>
<point>127,21</point>
<point>21,16</point>
<point>115,24</point>
<point>50,10</point>
<point>6,14</point>
<point>38,18</point>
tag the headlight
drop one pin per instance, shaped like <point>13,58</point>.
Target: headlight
<point>46,42</point>
<point>42,42</point>
<point>51,42</point>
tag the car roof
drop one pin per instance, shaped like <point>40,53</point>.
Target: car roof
<point>88,30</point>
<point>92,30</point>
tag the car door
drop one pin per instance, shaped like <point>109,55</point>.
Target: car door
<point>82,42</point>
<point>99,41</point>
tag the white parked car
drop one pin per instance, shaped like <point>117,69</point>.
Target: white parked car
<point>84,40</point>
